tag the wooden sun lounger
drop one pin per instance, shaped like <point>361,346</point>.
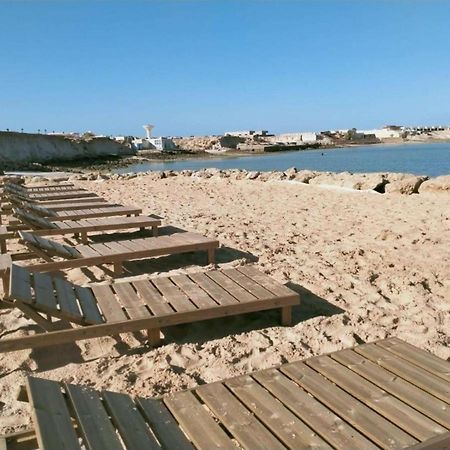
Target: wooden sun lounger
<point>82,212</point>
<point>386,394</point>
<point>171,240</point>
<point>54,195</point>
<point>120,307</point>
<point>14,187</point>
<point>42,226</point>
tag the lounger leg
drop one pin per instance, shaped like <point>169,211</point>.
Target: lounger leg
<point>118,268</point>
<point>286,316</point>
<point>211,256</point>
<point>3,248</point>
<point>154,336</point>
<point>155,231</point>
<point>84,238</point>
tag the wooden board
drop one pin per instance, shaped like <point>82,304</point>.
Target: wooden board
<point>300,405</point>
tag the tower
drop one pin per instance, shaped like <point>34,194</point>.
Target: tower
<point>148,128</point>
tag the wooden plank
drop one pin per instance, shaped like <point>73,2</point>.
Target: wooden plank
<point>322,420</point>
<point>54,429</point>
<point>20,284</point>
<point>88,305</point>
<point>130,423</point>
<point>440,442</point>
<point>105,297</point>
<point>264,280</point>
<point>197,295</point>
<point>44,292</point>
<point>239,421</point>
<point>256,289</point>
<point>154,300</point>
<point>405,391</point>
<point>417,356</point>
<point>275,416</point>
<point>196,422</point>
<point>237,291</point>
<point>163,424</point>
<point>116,247</point>
<point>220,295</point>
<point>173,295</point>
<point>408,371</point>
<point>86,251</point>
<point>130,300</point>
<point>96,428</point>
<point>373,425</point>
<point>67,299</point>
<point>393,409</point>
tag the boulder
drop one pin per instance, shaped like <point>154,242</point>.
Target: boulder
<point>439,184</point>
<point>407,186</point>
<point>252,175</point>
<point>290,173</point>
<point>358,181</point>
<point>303,176</point>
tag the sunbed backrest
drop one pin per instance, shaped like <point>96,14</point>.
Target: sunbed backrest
<point>49,246</point>
<point>33,219</point>
<point>39,209</point>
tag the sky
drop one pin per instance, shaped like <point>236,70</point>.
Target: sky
<point>211,66</point>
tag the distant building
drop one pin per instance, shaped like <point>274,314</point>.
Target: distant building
<point>247,133</point>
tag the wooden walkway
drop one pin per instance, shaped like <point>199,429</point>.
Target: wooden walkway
<point>110,309</point>
<point>387,395</point>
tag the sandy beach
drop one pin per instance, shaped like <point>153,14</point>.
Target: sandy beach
<point>367,266</point>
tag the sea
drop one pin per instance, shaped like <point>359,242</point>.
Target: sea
<point>420,159</point>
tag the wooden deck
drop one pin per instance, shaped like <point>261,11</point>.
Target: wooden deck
<point>110,309</point>
<point>387,395</point>
<point>170,241</point>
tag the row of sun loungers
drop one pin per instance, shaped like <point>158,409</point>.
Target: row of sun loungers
<point>382,395</point>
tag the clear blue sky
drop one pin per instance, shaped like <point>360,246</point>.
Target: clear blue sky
<point>205,67</point>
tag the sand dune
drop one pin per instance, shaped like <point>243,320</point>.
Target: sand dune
<point>367,265</point>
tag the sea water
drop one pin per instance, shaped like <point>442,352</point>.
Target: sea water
<point>421,159</point>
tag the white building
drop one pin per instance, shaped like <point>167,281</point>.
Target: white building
<point>247,133</point>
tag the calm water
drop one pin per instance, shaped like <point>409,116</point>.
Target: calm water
<point>423,159</point>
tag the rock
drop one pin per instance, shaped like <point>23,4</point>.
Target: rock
<point>406,186</point>
<point>358,181</point>
<point>303,176</point>
<point>276,176</point>
<point>252,175</point>
<point>290,173</point>
<point>439,184</point>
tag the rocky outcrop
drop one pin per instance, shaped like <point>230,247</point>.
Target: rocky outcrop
<point>438,184</point>
<point>405,185</point>
<point>359,181</point>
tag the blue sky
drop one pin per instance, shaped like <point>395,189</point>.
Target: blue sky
<point>206,67</point>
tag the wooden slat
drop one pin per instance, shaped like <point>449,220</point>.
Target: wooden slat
<point>150,295</point>
<point>323,421</point>
<point>256,289</point>
<point>419,357</point>
<point>280,420</point>
<point>405,391</point>
<point>44,292</point>
<point>106,300</point>
<point>67,299</point>
<point>193,291</point>
<point>130,423</point>
<point>196,422</point>
<point>20,284</point>
<point>368,422</point>
<point>163,424</point>
<point>88,305</point>
<point>95,426</point>
<point>173,295</point>
<point>405,417</point>
<point>237,291</point>
<point>239,421</point>
<point>440,442</point>
<point>49,414</point>
<point>130,300</point>
<point>408,371</point>
<point>220,295</point>
<point>264,280</point>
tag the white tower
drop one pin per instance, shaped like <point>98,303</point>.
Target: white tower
<point>148,128</point>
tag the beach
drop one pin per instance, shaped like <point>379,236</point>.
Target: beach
<point>367,266</point>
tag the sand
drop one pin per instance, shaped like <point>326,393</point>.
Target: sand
<point>367,266</point>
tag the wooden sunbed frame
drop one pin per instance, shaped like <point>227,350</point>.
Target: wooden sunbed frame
<point>42,226</point>
<point>386,394</point>
<point>170,241</point>
<point>121,307</point>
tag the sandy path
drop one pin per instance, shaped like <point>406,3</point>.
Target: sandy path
<point>369,266</point>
